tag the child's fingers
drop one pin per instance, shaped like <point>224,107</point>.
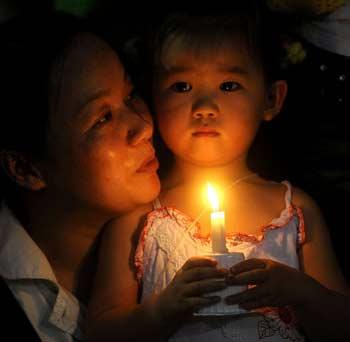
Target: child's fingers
<point>250,295</point>
<point>201,287</point>
<point>261,302</point>
<point>257,276</point>
<point>200,273</point>
<point>199,262</point>
<point>248,265</point>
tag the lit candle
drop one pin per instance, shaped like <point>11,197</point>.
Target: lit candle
<point>217,221</point>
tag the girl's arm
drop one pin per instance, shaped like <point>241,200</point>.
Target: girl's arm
<point>325,314</point>
<point>115,287</point>
<point>317,256</point>
<point>114,312</point>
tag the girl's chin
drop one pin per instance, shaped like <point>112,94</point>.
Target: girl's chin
<point>206,157</point>
<point>212,159</point>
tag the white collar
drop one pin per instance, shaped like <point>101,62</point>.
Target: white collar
<point>20,256</point>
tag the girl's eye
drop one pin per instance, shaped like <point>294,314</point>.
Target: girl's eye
<point>181,87</point>
<point>230,86</point>
<point>105,118</point>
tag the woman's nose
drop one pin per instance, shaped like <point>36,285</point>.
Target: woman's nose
<point>141,129</point>
<point>205,108</point>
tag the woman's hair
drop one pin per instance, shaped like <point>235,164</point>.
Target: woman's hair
<point>34,48</point>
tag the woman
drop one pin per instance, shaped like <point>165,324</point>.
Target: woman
<point>75,153</point>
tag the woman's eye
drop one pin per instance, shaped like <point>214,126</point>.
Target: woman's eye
<point>133,95</point>
<point>181,87</point>
<point>105,118</point>
<point>229,86</point>
<point>135,102</point>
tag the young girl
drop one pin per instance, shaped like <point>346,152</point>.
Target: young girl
<point>75,152</point>
<point>213,86</point>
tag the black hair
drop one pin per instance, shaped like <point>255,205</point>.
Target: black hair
<point>247,20</point>
<point>33,51</point>
<point>31,46</point>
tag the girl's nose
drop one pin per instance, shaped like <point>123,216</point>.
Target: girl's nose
<point>205,108</point>
<point>141,129</point>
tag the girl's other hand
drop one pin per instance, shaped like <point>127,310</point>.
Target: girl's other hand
<point>183,296</point>
<point>274,284</point>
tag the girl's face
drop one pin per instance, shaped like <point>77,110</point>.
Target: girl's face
<point>100,151</point>
<point>209,102</point>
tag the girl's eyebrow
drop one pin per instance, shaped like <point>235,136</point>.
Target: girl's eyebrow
<point>224,68</point>
<point>234,70</point>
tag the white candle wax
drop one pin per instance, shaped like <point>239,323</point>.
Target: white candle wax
<point>218,232</point>
<point>217,223</point>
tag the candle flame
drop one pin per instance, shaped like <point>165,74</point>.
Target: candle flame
<point>212,197</point>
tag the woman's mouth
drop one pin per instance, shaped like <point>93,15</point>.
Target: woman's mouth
<point>149,165</point>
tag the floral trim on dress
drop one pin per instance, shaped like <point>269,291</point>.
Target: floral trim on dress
<point>193,228</point>
<point>279,321</point>
<point>180,218</point>
<point>301,226</point>
<point>233,239</point>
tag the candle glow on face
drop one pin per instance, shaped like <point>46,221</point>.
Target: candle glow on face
<point>217,221</point>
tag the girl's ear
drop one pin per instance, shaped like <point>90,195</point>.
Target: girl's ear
<point>275,97</point>
<point>22,171</point>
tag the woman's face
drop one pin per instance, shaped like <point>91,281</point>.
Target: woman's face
<point>100,151</point>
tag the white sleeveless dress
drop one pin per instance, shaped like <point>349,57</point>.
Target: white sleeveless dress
<point>170,237</point>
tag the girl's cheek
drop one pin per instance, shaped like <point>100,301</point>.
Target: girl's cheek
<point>173,103</point>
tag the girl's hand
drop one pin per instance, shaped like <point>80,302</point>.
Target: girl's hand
<point>276,284</point>
<point>198,276</point>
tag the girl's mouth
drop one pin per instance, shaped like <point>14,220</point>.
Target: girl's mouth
<point>205,133</point>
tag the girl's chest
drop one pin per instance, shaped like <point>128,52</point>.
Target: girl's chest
<point>244,213</point>
<point>173,237</point>
<point>236,219</point>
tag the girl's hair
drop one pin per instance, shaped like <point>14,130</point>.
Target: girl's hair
<point>246,21</point>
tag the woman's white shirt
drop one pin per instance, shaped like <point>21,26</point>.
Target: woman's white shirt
<point>55,314</point>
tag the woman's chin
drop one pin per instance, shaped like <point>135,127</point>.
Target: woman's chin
<point>148,190</point>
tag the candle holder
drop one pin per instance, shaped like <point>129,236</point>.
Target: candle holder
<point>225,260</point>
